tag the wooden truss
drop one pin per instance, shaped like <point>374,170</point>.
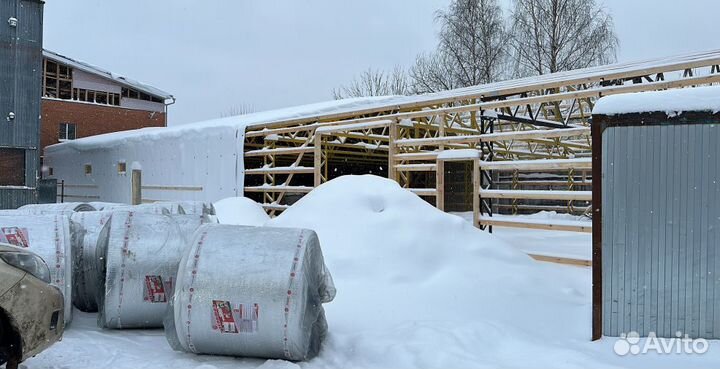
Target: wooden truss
<point>532,137</point>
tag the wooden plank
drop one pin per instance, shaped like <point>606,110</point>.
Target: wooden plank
<point>440,185</point>
<point>392,151</point>
<point>408,156</point>
<point>280,170</point>
<point>524,222</point>
<point>549,164</point>
<point>279,151</point>
<point>275,207</point>
<point>352,127</point>
<point>284,189</point>
<point>416,167</point>
<point>535,133</point>
<point>423,191</point>
<point>561,260</point>
<point>172,188</point>
<point>537,195</point>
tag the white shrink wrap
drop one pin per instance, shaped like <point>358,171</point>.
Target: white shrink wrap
<point>250,291</point>
<point>64,207</point>
<point>49,237</point>
<point>86,228</point>
<point>193,207</point>
<point>153,208</point>
<point>138,255</point>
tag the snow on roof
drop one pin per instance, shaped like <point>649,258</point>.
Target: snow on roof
<point>89,68</point>
<point>316,110</point>
<point>672,102</point>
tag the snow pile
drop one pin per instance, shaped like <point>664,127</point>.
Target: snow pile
<point>672,102</point>
<point>418,287</point>
<point>240,211</point>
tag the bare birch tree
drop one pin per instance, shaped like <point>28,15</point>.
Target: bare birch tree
<point>374,82</point>
<point>558,35</point>
<point>471,50</point>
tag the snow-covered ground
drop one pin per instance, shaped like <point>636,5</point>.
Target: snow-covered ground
<point>416,288</point>
<point>572,245</point>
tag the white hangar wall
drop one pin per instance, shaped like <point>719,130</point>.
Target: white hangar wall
<point>200,161</point>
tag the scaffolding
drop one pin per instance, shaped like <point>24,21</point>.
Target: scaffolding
<point>532,136</point>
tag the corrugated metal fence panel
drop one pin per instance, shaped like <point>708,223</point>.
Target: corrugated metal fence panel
<point>20,73</point>
<point>661,229</point>
<point>13,198</point>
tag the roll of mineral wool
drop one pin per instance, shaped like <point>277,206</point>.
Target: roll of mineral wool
<point>86,229</point>
<point>49,237</point>
<point>138,259</point>
<point>250,291</point>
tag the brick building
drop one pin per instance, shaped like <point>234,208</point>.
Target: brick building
<point>81,100</point>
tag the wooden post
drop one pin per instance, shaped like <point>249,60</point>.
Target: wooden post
<point>392,150</point>
<point>476,192</point>
<point>136,187</point>
<point>440,185</point>
<point>318,159</point>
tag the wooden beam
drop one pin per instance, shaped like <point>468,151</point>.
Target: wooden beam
<point>525,222</point>
<point>537,195</point>
<point>280,170</point>
<point>416,167</point>
<point>279,151</point>
<point>285,189</point>
<point>549,164</point>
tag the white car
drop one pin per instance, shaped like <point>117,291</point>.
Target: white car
<point>31,310</point>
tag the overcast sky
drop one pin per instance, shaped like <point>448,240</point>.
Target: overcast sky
<point>216,55</point>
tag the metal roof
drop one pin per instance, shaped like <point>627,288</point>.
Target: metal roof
<point>89,68</point>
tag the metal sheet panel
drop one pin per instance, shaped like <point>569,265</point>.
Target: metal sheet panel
<point>20,73</point>
<point>661,219</point>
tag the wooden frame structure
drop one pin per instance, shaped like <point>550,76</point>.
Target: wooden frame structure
<point>533,136</point>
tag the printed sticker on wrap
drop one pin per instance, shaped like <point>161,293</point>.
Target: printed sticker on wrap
<point>15,236</point>
<point>156,291</point>
<point>235,318</point>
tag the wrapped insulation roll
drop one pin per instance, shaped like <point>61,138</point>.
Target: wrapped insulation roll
<point>86,228</point>
<point>49,237</point>
<point>138,255</point>
<point>106,206</point>
<point>64,208</point>
<point>153,208</point>
<point>194,207</point>
<point>250,291</point>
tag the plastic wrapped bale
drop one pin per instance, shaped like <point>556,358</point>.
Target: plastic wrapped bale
<point>190,223</point>
<point>194,207</point>
<point>106,206</point>
<point>49,237</point>
<point>86,228</point>
<point>251,291</point>
<point>65,207</point>
<point>138,255</point>
<point>154,208</point>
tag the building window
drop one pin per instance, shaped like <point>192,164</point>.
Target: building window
<point>67,131</point>
<point>97,97</point>
<point>135,94</point>
<point>51,171</point>
<point>121,167</point>
<point>57,80</point>
<point>88,169</point>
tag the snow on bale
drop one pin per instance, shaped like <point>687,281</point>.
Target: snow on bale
<point>86,228</point>
<point>137,258</point>
<point>251,291</point>
<point>240,211</point>
<point>49,237</point>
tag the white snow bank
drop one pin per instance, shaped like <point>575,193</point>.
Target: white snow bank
<point>672,102</point>
<point>417,288</point>
<point>240,211</point>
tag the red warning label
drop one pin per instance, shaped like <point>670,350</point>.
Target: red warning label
<point>235,318</point>
<point>155,290</point>
<point>15,236</point>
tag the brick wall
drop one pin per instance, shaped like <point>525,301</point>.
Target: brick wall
<point>12,167</point>
<point>92,119</point>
